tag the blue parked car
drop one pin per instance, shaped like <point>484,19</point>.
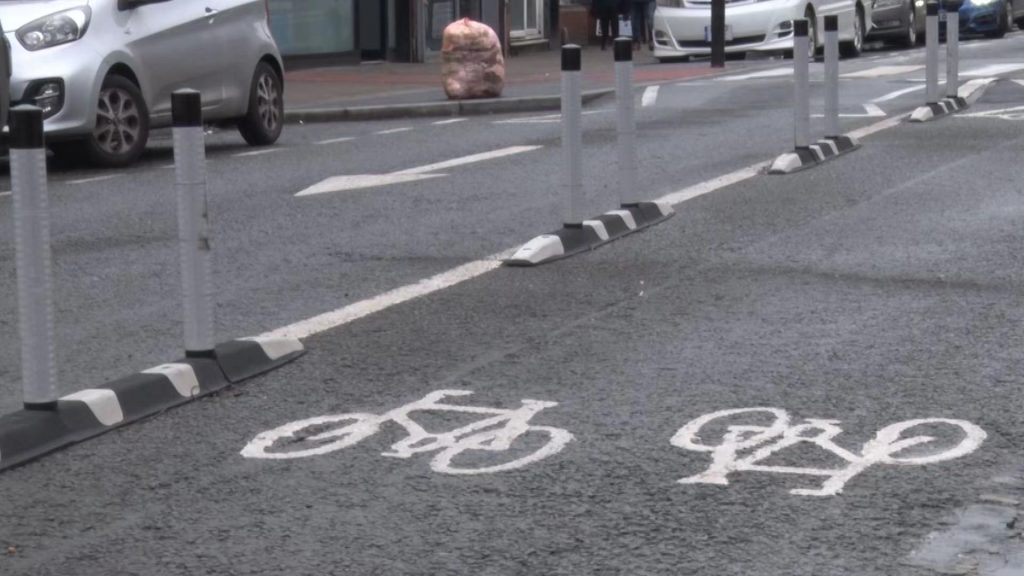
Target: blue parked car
<point>992,18</point>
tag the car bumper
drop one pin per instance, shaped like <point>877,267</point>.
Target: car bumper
<point>980,19</point>
<point>760,26</point>
<point>888,21</point>
<point>61,64</point>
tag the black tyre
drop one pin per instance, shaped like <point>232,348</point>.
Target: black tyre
<point>262,124</point>
<point>122,125</point>
<point>1005,21</point>
<point>909,38</point>
<point>853,48</point>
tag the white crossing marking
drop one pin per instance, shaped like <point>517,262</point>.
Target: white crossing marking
<point>650,96</point>
<point>260,152</point>
<point>393,131</point>
<point>771,73</point>
<point>993,70</point>
<point>94,179</point>
<point>760,442</point>
<point>878,71</point>
<point>495,431</point>
<point>449,121</point>
<point>336,140</point>
<point>472,158</point>
<point>897,94</point>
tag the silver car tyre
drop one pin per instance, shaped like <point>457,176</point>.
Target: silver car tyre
<point>122,124</point>
<point>264,121</point>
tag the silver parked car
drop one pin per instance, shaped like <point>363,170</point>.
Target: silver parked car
<point>103,70</point>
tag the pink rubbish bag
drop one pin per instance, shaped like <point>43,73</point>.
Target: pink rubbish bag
<point>472,64</point>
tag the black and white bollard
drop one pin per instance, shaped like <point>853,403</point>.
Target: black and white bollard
<point>801,90</point>
<point>193,222</point>
<point>572,135</point>
<point>931,34</point>
<point>832,75</point>
<point>952,52</point>
<point>34,261</point>
<point>629,181</point>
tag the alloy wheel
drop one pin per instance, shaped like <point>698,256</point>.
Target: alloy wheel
<point>268,101</point>
<point>118,123</point>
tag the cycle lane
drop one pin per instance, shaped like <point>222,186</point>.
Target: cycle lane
<point>781,292</point>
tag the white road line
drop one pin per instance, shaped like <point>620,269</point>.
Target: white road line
<point>650,96</point>
<point>8,193</point>
<point>897,94</point>
<point>860,133</point>
<point>882,71</point>
<point>352,312</point>
<point>450,121</point>
<point>336,140</point>
<point>94,179</point>
<point>393,131</point>
<point>357,310</point>
<point>1021,82</point>
<point>772,73</point>
<point>257,152</point>
<point>993,70</point>
<point>512,150</point>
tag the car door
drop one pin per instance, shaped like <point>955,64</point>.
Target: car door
<point>174,49</point>
<point>237,28</point>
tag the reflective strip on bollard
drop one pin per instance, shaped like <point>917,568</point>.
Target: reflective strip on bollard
<point>34,259</point>
<point>572,136</point>
<point>193,222</point>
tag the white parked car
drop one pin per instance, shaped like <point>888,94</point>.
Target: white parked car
<point>682,27</point>
<point>103,70</point>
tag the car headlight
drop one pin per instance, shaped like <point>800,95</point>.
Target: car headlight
<point>55,29</point>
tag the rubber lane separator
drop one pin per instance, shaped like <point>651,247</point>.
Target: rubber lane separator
<point>28,434</point>
<point>966,95</point>
<point>820,151</point>
<point>590,234</point>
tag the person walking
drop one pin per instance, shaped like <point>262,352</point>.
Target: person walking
<point>607,12</point>
<point>641,21</point>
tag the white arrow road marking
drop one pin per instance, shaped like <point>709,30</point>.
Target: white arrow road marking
<point>650,96</point>
<point>336,140</point>
<point>501,153</point>
<point>772,73</point>
<point>94,179</point>
<point>897,94</point>
<point>545,119</point>
<point>471,270</point>
<point>882,71</point>
<point>360,181</point>
<point>257,152</point>
<point>871,111</point>
<point>393,131</point>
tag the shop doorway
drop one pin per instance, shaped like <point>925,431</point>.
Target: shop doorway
<point>372,32</point>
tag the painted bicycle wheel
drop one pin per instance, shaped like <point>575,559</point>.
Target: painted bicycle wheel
<point>312,436</point>
<point>491,442</point>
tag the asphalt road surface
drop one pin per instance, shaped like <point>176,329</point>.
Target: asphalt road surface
<point>869,309</point>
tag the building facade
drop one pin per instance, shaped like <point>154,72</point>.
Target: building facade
<point>321,32</point>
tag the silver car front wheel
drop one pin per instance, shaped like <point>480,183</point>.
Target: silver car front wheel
<point>122,124</point>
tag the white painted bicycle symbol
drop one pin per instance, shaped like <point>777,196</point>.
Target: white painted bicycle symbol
<point>494,433</point>
<point>760,442</point>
